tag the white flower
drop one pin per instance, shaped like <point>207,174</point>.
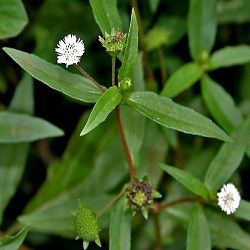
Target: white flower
<point>69,50</point>
<point>228,198</point>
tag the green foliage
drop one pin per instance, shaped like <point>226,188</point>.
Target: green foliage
<point>110,169</point>
<point>13,18</point>
<point>13,242</point>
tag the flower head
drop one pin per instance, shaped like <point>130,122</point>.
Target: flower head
<point>228,198</point>
<point>69,50</point>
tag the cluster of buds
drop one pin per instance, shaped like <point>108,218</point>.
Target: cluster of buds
<point>114,42</point>
<point>86,226</point>
<point>140,195</point>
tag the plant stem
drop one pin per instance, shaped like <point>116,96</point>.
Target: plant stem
<point>113,70</point>
<point>161,207</point>
<point>158,245</point>
<point>121,131</point>
<point>85,74</point>
<point>109,204</point>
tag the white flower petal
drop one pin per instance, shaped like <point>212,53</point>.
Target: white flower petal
<point>229,198</point>
<point>69,50</point>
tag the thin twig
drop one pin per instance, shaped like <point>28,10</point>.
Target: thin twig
<point>163,206</point>
<point>85,74</point>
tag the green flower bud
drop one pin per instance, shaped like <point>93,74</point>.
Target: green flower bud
<point>125,84</point>
<point>114,43</point>
<point>86,226</point>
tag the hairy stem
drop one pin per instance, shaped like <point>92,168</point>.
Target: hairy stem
<point>85,74</point>
<point>125,148</point>
<point>163,206</point>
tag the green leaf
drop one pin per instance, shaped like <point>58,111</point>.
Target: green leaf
<point>73,85</point>
<point>190,182</point>
<point>198,231</point>
<point>229,56</point>
<point>167,31</point>
<point>182,79</point>
<point>120,227</point>
<point>11,168</point>
<point>13,18</point>
<point>201,27</point>
<point>172,115</point>
<point>131,49</point>
<point>220,104</point>
<point>243,211</point>
<point>13,242</point>
<point>227,233</point>
<point>233,11</point>
<point>16,127</point>
<point>106,103</point>
<point>106,15</point>
<point>57,217</point>
<point>228,158</point>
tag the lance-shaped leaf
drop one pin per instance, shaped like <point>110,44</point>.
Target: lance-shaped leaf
<point>11,168</point>
<point>131,49</point>
<point>190,182</point>
<point>220,104</point>
<point>228,158</point>
<point>54,76</point>
<point>106,15</point>
<point>201,27</point>
<point>226,233</point>
<point>182,79</point>
<point>13,18</point>
<point>172,115</point>
<point>243,211</point>
<point>106,103</point>
<point>13,242</point>
<point>120,227</point>
<point>229,56</point>
<point>198,231</point>
<point>16,127</point>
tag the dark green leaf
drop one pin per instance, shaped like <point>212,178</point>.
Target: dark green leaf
<point>120,227</point>
<point>11,168</point>
<point>229,56</point>
<point>105,104</point>
<point>16,127</point>
<point>13,18</point>
<point>187,180</point>
<point>57,217</point>
<point>220,104</point>
<point>172,115</point>
<point>55,77</point>
<point>13,242</point>
<point>106,15</point>
<point>227,233</point>
<point>228,158</point>
<point>182,79</point>
<point>243,211</point>
<point>131,49</point>
<point>153,4</point>
<point>167,31</point>
<point>233,11</point>
<point>198,231</point>
<point>201,27</point>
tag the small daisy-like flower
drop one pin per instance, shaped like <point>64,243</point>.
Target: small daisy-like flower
<point>229,198</point>
<point>69,50</point>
